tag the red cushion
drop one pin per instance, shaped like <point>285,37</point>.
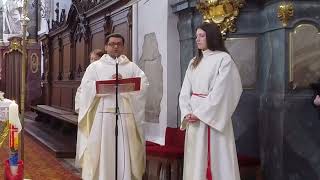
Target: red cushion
<point>165,151</point>
<point>246,161</point>
<point>173,148</point>
<point>174,136</point>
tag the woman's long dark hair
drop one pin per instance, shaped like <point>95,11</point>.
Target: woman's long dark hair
<point>214,41</point>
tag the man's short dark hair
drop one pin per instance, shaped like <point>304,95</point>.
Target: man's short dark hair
<point>115,35</point>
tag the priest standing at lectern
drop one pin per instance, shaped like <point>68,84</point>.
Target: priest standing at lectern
<point>96,127</point>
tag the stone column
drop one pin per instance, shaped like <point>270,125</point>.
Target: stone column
<point>189,19</point>
<point>33,24</point>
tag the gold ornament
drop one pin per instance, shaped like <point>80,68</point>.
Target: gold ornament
<point>221,12</point>
<point>4,131</point>
<point>285,12</point>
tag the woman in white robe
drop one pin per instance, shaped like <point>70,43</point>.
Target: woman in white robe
<point>210,93</point>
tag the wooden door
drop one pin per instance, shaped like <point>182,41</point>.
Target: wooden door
<point>12,75</point>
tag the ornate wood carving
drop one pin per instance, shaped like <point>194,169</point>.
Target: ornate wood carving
<point>82,29</point>
<point>15,44</point>
<point>68,45</point>
<point>72,56</point>
<point>60,76</point>
<point>46,55</point>
<point>107,25</point>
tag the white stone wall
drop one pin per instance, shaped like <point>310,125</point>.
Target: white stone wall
<point>154,16</point>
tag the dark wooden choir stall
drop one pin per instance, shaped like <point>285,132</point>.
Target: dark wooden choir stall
<point>66,55</point>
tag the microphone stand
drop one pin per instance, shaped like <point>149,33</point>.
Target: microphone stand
<point>117,116</point>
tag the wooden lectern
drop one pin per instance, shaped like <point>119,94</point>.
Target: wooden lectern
<point>108,87</point>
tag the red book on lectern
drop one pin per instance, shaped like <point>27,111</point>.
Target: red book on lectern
<point>107,87</point>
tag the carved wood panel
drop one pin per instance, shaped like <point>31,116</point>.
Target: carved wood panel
<point>55,62</point>
<point>120,22</point>
<point>56,95</point>
<point>63,93</point>
<point>66,58</point>
<point>80,58</point>
<point>12,68</point>
<point>98,40</point>
<point>33,84</point>
<point>72,41</point>
<point>97,33</point>
<point>66,98</point>
<point>11,61</point>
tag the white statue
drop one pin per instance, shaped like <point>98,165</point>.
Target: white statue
<point>12,16</point>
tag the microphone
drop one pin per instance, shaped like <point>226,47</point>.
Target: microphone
<point>117,115</point>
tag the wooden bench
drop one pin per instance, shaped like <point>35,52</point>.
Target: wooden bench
<point>60,114</point>
<point>55,129</point>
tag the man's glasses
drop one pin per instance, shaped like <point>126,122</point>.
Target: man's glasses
<point>115,44</point>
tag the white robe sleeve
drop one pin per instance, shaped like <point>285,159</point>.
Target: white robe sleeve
<point>76,100</point>
<point>184,98</point>
<point>138,98</point>
<point>88,91</point>
<point>224,94</point>
<point>84,99</point>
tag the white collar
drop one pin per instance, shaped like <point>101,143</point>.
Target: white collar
<point>109,60</point>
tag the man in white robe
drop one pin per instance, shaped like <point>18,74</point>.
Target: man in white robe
<point>210,92</point>
<point>96,128</point>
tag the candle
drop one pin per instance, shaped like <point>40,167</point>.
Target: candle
<point>15,126</point>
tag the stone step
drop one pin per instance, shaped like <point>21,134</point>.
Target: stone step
<point>62,146</point>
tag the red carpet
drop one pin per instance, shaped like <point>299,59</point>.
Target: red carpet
<point>39,163</point>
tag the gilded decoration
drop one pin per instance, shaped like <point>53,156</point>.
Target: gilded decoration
<point>4,131</point>
<point>15,44</point>
<point>34,64</point>
<point>221,12</point>
<point>285,12</point>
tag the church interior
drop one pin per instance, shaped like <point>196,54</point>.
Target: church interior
<point>44,52</point>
